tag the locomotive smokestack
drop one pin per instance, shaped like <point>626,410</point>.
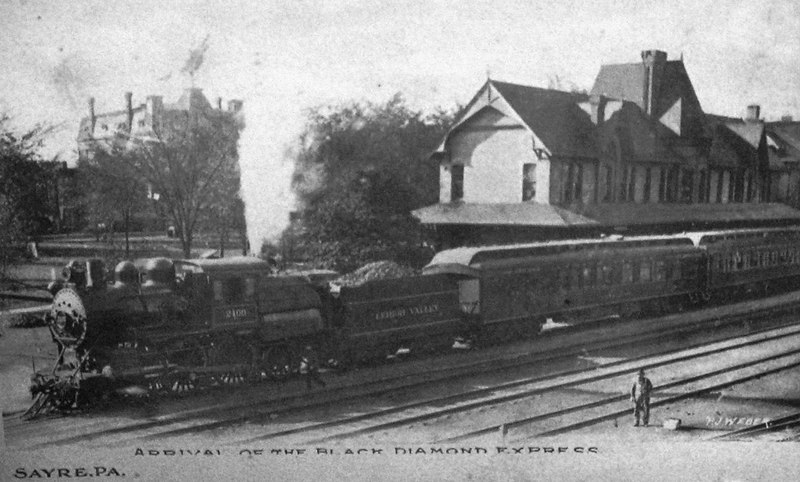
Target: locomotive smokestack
<point>95,274</point>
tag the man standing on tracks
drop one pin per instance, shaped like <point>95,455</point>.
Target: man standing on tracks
<point>640,396</point>
<point>311,362</point>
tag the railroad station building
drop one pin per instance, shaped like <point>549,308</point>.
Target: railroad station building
<point>637,154</point>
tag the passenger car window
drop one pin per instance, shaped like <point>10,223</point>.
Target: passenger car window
<point>644,271</point>
<point>659,271</point>
<point>588,275</point>
<point>608,274</point>
<point>627,272</point>
<point>575,277</point>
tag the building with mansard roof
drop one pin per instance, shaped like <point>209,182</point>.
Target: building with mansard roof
<point>143,121</point>
<point>636,154</point>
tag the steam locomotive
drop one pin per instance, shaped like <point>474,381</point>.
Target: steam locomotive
<point>178,325</point>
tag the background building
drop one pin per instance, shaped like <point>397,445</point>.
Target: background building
<point>150,120</point>
<point>98,130</point>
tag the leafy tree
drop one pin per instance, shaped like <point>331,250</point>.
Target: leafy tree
<point>225,215</point>
<point>113,189</point>
<point>191,162</point>
<point>360,171</point>
<point>11,236</point>
<point>25,188</point>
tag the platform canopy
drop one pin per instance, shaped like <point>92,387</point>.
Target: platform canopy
<point>535,214</point>
<point>519,214</point>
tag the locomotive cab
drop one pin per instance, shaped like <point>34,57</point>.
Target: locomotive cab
<point>222,292</point>
<point>247,311</point>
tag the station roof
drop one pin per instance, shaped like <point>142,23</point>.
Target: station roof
<point>521,214</point>
<point>657,213</point>
<point>618,214</point>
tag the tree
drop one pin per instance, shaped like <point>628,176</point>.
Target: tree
<point>191,162</point>
<point>360,171</point>
<point>229,216</point>
<point>113,189</point>
<point>24,190</point>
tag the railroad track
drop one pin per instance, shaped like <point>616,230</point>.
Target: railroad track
<point>508,394</point>
<point>612,408</point>
<point>196,420</point>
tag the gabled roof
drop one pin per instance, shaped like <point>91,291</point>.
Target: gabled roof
<point>735,141</point>
<point>751,132</point>
<point>642,138</point>
<point>787,135</point>
<point>554,116</point>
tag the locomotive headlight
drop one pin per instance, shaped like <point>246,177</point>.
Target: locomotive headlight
<point>107,371</point>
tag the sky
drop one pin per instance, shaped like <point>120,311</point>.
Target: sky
<point>282,58</point>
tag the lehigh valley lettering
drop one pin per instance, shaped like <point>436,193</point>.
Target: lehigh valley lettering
<point>401,312</point>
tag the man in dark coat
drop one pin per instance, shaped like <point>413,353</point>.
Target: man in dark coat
<point>311,362</point>
<point>640,396</point>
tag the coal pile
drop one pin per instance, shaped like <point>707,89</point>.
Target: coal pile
<point>378,270</point>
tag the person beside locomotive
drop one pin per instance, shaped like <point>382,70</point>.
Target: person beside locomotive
<point>310,365</point>
<point>640,396</point>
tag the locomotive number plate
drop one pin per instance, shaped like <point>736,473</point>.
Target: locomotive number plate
<point>237,313</point>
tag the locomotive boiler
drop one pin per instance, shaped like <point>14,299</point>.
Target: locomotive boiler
<point>173,325</point>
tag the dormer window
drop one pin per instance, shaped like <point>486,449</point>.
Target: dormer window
<point>456,182</point>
